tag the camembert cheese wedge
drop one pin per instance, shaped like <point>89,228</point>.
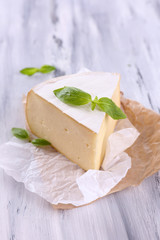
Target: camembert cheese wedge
<point>75,131</point>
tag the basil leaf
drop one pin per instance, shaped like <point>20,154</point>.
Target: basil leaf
<point>72,95</point>
<point>43,69</point>
<point>39,142</point>
<point>93,103</point>
<point>29,71</point>
<point>46,69</point>
<point>109,107</point>
<point>20,133</point>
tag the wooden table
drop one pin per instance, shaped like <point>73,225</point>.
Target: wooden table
<point>114,36</point>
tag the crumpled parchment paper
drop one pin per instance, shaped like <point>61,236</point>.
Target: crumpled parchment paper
<point>131,156</point>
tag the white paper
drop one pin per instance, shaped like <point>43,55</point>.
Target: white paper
<point>53,177</point>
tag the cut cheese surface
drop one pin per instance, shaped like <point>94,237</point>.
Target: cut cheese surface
<point>76,131</point>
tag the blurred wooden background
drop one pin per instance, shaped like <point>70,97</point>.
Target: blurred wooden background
<point>114,36</point>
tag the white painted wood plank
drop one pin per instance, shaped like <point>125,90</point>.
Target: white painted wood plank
<point>121,36</point>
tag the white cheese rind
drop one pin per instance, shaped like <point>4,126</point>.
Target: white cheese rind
<point>97,84</point>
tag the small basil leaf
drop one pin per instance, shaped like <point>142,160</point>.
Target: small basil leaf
<point>93,103</point>
<point>109,107</point>
<point>29,71</point>
<point>20,133</point>
<point>39,142</point>
<point>72,95</point>
<point>46,69</point>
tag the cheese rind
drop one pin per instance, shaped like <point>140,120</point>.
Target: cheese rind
<point>95,83</point>
<point>76,131</point>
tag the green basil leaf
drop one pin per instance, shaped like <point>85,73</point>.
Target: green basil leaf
<point>20,133</point>
<point>109,107</point>
<point>39,142</point>
<point>72,95</point>
<point>93,103</point>
<point>43,69</point>
<point>29,71</point>
<point>46,69</point>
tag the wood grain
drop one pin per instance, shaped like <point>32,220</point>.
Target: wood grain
<point>114,36</point>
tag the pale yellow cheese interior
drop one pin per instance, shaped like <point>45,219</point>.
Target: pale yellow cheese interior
<point>77,142</point>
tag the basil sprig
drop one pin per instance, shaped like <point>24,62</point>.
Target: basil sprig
<point>24,135</point>
<point>43,69</point>
<point>75,96</point>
